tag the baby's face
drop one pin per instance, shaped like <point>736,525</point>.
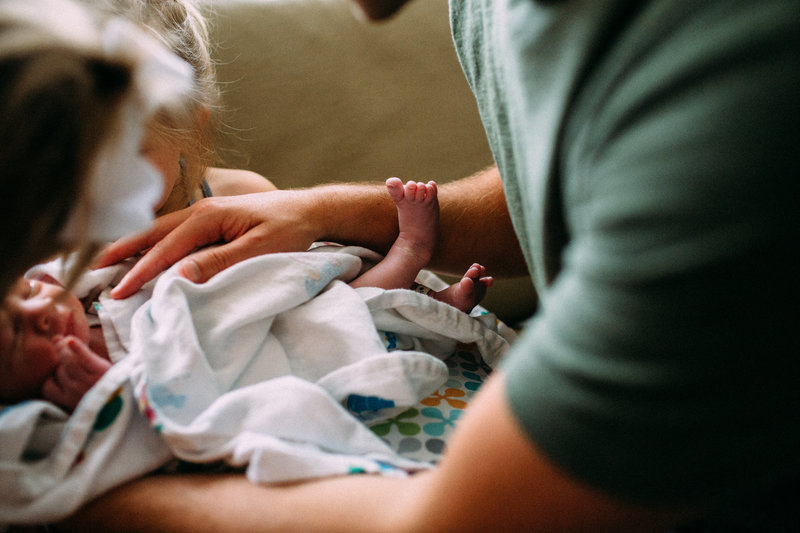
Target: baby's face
<point>34,316</point>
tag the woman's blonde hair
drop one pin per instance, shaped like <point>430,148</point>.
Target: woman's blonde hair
<point>59,101</point>
<point>182,28</point>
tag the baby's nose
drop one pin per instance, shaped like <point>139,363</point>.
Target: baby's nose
<point>38,315</point>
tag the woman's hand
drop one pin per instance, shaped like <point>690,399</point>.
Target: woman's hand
<point>79,368</point>
<point>246,225</point>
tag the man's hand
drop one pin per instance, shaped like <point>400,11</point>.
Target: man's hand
<point>474,226</point>
<point>246,225</point>
<point>79,368</point>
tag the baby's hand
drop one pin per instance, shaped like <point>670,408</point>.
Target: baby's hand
<point>78,370</point>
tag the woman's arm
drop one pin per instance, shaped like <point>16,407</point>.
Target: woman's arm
<point>474,227</point>
<point>488,480</point>
<point>234,181</point>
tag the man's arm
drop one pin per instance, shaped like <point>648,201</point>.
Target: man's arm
<point>474,223</point>
<point>474,227</point>
<point>487,481</point>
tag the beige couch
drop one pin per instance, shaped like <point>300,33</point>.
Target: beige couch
<point>315,95</point>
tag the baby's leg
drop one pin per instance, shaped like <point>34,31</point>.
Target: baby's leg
<point>418,220</point>
<point>468,292</point>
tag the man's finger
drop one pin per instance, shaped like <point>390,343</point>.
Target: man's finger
<point>191,234</point>
<point>129,246</point>
<point>205,264</point>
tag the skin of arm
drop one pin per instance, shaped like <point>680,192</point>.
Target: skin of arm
<point>474,488</point>
<point>474,227</point>
<point>232,182</point>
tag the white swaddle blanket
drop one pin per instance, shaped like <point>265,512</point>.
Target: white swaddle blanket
<point>256,368</point>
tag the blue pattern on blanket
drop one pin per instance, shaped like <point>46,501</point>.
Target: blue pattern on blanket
<point>319,279</point>
<point>421,432</point>
<point>202,374</point>
<point>391,340</point>
<point>162,396</point>
<point>361,405</point>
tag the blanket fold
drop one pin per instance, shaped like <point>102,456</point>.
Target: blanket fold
<point>256,368</point>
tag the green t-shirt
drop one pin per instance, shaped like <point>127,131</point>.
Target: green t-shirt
<point>649,153</point>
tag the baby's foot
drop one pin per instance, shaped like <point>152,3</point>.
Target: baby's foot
<point>468,292</point>
<point>417,217</point>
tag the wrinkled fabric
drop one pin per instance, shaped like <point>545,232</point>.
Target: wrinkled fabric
<point>255,368</point>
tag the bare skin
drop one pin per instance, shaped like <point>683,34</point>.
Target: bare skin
<point>47,349</point>
<point>379,9</point>
<point>474,488</point>
<point>418,219</point>
<point>61,367</point>
<point>519,489</point>
<point>290,220</point>
<point>232,182</point>
<point>42,358</point>
<point>468,291</point>
<point>493,477</point>
<point>165,155</point>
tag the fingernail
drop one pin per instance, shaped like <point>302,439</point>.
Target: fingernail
<point>191,271</point>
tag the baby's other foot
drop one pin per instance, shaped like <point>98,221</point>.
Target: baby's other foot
<point>469,291</point>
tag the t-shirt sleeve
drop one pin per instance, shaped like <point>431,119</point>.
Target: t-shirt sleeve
<point>663,364</point>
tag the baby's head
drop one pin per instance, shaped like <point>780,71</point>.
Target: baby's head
<point>34,316</point>
<point>178,143</point>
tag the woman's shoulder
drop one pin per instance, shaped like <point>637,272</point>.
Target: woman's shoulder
<point>230,182</point>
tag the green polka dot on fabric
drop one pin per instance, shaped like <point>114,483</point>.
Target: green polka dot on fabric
<point>421,432</point>
<point>109,412</point>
